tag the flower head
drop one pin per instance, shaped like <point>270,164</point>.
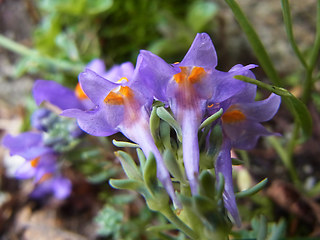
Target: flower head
<point>241,129</point>
<point>120,106</point>
<point>187,87</point>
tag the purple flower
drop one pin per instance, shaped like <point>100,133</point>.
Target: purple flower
<point>56,185</point>
<point>40,164</point>
<point>241,129</point>
<point>186,87</point>
<point>120,106</point>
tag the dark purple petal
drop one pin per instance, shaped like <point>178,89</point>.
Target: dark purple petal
<point>94,122</point>
<point>261,111</point>
<point>95,86</point>
<point>248,92</point>
<point>61,187</point>
<point>223,165</point>
<point>245,135</point>
<point>153,73</point>
<point>28,145</point>
<point>56,94</point>
<point>226,86</point>
<point>201,53</point>
<point>47,164</point>
<point>97,66</point>
<point>58,186</point>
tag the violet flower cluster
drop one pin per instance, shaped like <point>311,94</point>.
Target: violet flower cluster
<point>53,135</point>
<point>194,90</point>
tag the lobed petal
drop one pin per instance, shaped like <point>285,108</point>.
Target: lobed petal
<point>56,94</point>
<point>93,122</point>
<point>95,86</point>
<point>201,53</point>
<point>261,111</point>
<point>246,135</point>
<point>28,145</point>
<point>97,66</point>
<point>153,74</point>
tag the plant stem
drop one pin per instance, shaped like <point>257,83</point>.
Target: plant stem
<point>169,214</point>
<point>307,87</point>
<point>33,54</point>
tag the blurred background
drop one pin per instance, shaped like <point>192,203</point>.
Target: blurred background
<point>55,39</point>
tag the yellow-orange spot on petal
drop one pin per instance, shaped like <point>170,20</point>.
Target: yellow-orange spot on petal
<point>34,162</point>
<point>123,79</point>
<point>233,116</point>
<point>197,74</point>
<point>118,97</point>
<point>181,76</point>
<point>176,63</point>
<point>211,105</point>
<point>45,177</point>
<point>185,76</point>
<point>80,93</point>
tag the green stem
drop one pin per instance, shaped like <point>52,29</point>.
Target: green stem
<point>255,43</point>
<point>169,214</point>
<point>285,156</point>
<point>24,51</point>
<point>289,30</point>
<point>307,87</point>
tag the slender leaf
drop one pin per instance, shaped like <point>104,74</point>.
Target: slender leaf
<point>255,42</point>
<point>289,30</point>
<point>166,116</point>
<point>252,190</point>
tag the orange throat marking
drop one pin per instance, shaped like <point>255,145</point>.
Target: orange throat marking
<point>80,93</point>
<point>185,76</point>
<point>34,162</point>
<point>118,97</point>
<point>233,116</point>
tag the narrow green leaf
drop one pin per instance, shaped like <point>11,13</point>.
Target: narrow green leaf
<point>252,190</point>
<point>127,184</point>
<point>278,231</point>
<point>154,125</point>
<point>142,158</point>
<point>129,166</point>
<point>150,173</point>
<point>173,166</point>
<point>166,116</point>
<point>289,30</point>
<point>236,161</point>
<point>206,183</point>
<point>255,42</point>
<point>263,228</point>
<point>220,188</point>
<point>211,119</point>
<point>159,228</point>
<point>124,144</point>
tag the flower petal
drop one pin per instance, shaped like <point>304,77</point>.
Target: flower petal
<point>56,94</point>
<point>153,73</point>
<point>262,111</point>
<point>201,53</point>
<point>119,71</point>
<point>95,86</point>
<point>223,165</point>
<point>245,135</point>
<point>94,122</point>
<point>28,145</point>
<point>97,66</point>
